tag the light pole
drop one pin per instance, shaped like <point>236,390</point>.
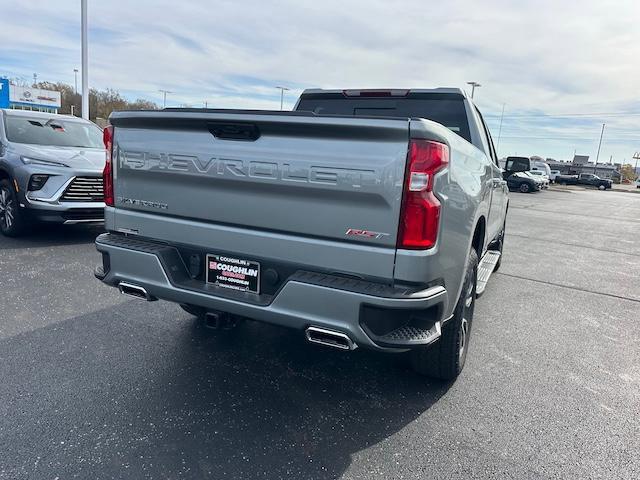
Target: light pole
<point>598,154</point>
<point>35,79</point>
<point>282,90</point>
<point>473,87</point>
<point>164,97</point>
<point>75,79</point>
<point>500,130</point>
<point>85,62</point>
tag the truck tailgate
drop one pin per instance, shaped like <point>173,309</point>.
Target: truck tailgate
<point>328,178</point>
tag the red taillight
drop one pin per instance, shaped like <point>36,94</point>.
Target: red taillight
<point>420,214</point>
<point>107,173</point>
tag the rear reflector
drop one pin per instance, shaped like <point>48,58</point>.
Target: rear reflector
<point>420,214</point>
<point>107,173</point>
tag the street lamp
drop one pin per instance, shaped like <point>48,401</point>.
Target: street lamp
<point>595,165</point>
<point>85,61</point>
<point>473,87</point>
<point>282,90</point>
<point>164,97</point>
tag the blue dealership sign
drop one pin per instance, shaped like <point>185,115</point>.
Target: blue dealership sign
<point>4,93</point>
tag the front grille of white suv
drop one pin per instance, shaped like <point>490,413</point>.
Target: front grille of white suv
<point>84,189</point>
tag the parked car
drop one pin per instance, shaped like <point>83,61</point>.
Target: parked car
<point>540,176</point>
<point>523,182</point>
<point>553,175</point>
<point>637,182</point>
<point>526,164</point>
<point>50,170</point>
<point>587,179</point>
<point>336,226</point>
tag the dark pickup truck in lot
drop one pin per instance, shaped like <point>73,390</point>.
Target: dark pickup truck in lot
<point>584,179</point>
<point>364,218</point>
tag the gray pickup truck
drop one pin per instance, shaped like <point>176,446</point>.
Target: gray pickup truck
<point>364,218</point>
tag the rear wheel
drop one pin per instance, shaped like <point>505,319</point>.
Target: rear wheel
<point>446,358</point>
<point>11,219</point>
<point>525,188</point>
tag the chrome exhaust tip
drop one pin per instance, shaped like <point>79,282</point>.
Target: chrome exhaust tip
<point>330,338</point>
<point>134,291</point>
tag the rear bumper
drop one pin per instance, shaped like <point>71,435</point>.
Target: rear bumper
<point>364,311</point>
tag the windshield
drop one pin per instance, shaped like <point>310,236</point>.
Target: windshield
<point>53,131</point>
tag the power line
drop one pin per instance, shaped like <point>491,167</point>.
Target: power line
<point>555,115</point>
<point>578,138</point>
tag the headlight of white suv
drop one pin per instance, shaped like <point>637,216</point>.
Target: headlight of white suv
<point>38,161</point>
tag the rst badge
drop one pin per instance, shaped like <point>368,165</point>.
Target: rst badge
<point>355,232</point>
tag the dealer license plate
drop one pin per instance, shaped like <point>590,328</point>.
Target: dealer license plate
<point>234,273</point>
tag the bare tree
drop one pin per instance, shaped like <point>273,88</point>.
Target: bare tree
<point>101,102</point>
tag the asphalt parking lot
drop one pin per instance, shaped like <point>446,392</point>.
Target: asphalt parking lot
<point>96,385</point>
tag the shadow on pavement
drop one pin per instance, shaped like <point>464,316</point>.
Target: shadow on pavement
<point>44,235</point>
<point>146,392</point>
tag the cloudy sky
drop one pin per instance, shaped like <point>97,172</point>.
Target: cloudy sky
<point>561,71</point>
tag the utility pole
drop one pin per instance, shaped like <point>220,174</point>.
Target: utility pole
<point>598,154</point>
<point>473,87</point>
<point>35,79</point>
<point>75,79</point>
<point>636,156</point>
<point>85,61</point>
<point>282,90</point>
<point>164,97</point>
<point>500,131</point>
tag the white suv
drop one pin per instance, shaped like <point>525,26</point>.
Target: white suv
<point>541,176</point>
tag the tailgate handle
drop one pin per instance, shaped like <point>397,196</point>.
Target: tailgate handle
<point>247,132</point>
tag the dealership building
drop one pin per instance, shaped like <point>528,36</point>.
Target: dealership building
<point>27,98</point>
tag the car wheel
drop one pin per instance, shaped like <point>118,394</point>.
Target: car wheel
<point>601,187</point>
<point>525,188</point>
<point>11,221</point>
<point>446,358</point>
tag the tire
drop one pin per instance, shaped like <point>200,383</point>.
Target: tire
<point>601,187</point>
<point>445,359</point>
<point>525,188</point>
<point>11,219</point>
